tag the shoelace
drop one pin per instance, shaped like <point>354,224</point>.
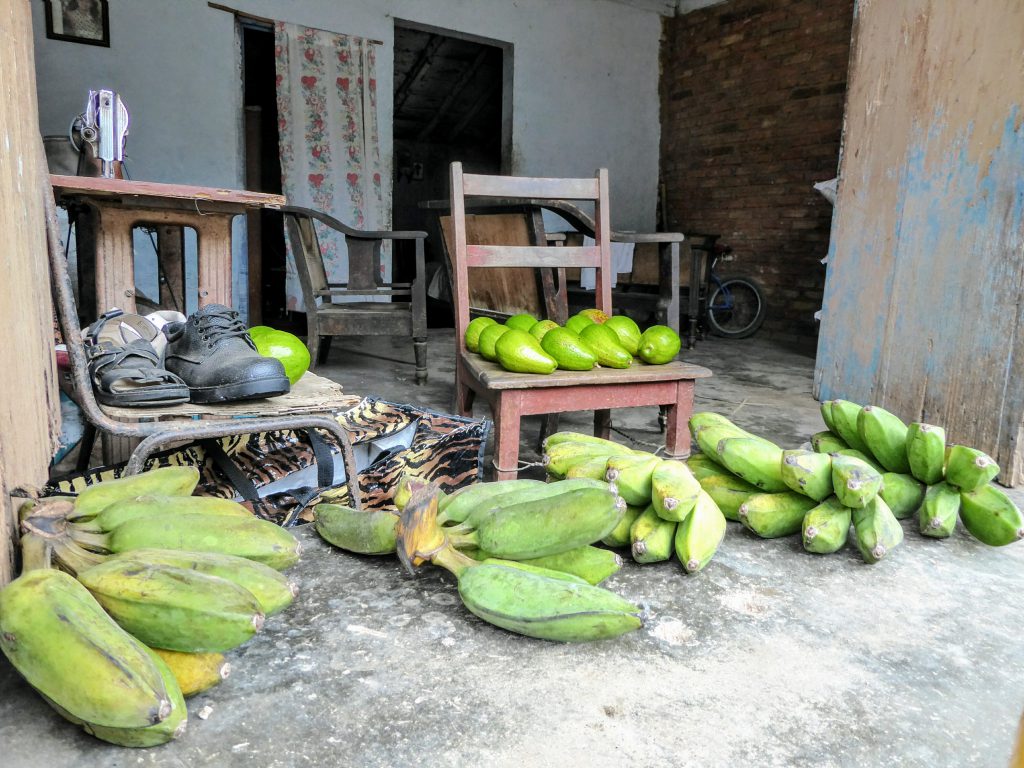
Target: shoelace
<point>218,324</point>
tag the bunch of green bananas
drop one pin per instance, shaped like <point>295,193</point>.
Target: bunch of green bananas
<point>667,510</point>
<point>521,550</point>
<point>153,586</point>
<point>869,469</point>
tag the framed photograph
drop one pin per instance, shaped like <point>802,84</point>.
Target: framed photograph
<point>78,21</point>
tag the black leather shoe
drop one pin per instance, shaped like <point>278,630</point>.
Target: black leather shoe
<point>213,354</point>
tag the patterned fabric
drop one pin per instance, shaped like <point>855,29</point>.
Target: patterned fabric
<point>329,142</point>
<point>446,450</point>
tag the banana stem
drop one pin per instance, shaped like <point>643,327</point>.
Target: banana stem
<point>468,540</point>
<point>36,553</point>
<point>74,558</point>
<point>452,560</point>
<point>94,541</point>
<point>88,526</point>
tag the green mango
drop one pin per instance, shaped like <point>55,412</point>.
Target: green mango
<point>540,329</point>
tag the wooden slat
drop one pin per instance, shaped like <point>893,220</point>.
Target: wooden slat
<point>922,306</point>
<point>29,410</point>
<point>506,290</point>
<point>496,377</point>
<point>98,187</point>
<point>525,186</point>
<point>531,256</point>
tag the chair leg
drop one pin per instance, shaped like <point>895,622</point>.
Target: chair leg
<point>603,424</point>
<point>419,346</point>
<point>325,349</point>
<point>313,342</point>
<point>547,427</point>
<point>506,427</point>
<point>677,431</point>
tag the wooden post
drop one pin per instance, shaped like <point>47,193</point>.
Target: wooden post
<point>29,414</point>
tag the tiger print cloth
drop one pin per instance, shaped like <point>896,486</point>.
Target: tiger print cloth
<point>446,450</point>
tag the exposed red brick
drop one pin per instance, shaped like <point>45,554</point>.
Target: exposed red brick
<point>752,111</point>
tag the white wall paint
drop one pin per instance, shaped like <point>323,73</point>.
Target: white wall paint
<point>585,91</point>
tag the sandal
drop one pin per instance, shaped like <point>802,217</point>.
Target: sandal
<point>124,367</point>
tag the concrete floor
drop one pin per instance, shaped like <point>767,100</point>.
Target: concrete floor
<point>770,657</point>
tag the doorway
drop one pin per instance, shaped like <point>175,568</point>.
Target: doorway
<point>264,228</point>
<point>452,101</point>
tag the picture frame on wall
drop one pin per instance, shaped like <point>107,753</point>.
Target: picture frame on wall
<point>78,21</point>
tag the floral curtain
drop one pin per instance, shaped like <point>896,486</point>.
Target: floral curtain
<point>329,143</point>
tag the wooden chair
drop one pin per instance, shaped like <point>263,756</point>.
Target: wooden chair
<point>514,395</point>
<point>310,406</point>
<point>359,318</point>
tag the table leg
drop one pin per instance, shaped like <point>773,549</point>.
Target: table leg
<point>215,260</point>
<point>603,424</point>
<point>693,305</point>
<point>506,427</point>
<point>677,431</point>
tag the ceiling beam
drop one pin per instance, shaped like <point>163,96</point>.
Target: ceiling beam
<point>467,118</point>
<point>454,93</point>
<point>423,61</point>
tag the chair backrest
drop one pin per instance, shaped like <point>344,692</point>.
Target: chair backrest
<point>466,255</point>
<point>363,251</point>
<point>309,262</point>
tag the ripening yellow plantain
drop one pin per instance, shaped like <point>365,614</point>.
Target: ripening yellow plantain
<point>63,643</point>
<point>150,736</point>
<point>195,672</point>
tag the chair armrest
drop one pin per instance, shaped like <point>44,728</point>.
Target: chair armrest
<point>329,221</point>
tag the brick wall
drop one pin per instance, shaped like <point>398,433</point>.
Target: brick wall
<point>752,106</point>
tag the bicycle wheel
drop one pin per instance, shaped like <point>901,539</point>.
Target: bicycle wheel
<point>736,308</point>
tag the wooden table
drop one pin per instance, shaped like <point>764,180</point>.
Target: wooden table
<point>106,211</point>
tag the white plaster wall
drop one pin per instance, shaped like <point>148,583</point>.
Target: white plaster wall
<point>585,90</point>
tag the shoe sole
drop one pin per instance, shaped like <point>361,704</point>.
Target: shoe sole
<point>247,390</point>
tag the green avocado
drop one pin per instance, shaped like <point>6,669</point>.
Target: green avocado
<point>568,350</point>
<point>605,343</point>
<point>519,352</point>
